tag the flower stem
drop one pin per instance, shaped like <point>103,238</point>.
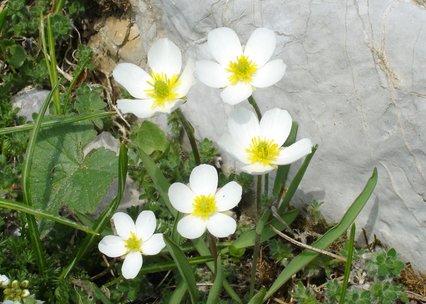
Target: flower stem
<point>213,249</point>
<point>255,107</point>
<point>256,249</point>
<point>189,130</point>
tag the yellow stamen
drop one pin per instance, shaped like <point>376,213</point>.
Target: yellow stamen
<point>204,206</point>
<point>133,243</point>
<point>262,151</point>
<point>241,70</point>
<point>163,88</point>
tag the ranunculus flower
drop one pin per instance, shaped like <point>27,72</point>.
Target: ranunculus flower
<point>162,89</point>
<point>258,145</point>
<point>204,204</point>
<point>132,241</point>
<point>240,70</point>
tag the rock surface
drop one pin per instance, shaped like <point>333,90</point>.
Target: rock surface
<point>355,82</point>
<point>29,101</point>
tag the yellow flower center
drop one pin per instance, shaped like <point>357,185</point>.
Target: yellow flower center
<point>133,243</point>
<point>241,70</point>
<point>262,151</point>
<point>204,206</point>
<point>163,89</point>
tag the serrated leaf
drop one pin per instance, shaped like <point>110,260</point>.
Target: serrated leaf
<point>89,100</point>
<point>17,56</point>
<point>63,176</point>
<point>149,137</point>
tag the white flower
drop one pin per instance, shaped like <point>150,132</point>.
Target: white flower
<point>204,204</point>
<point>163,88</point>
<point>132,240</point>
<point>258,145</point>
<point>4,280</point>
<point>239,70</point>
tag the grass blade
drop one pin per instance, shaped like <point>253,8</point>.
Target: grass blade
<point>214,293</point>
<point>329,237</point>
<point>105,217</point>
<point>179,293</point>
<point>30,210</point>
<point>258,298</point>
<point>282,171</point>
<point>57,122</point>
<point>283,205</point>
<point>53,73</point>
<point>184,268</point>
<point>26,171</point>
<point>348,264</point>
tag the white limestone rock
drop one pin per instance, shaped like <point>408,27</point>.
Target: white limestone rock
<point>355,82</point>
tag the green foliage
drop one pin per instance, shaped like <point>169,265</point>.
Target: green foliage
<point>149,138</point>
<point>280,251</point>
<point>89,99</point>
<point>304,295</point>
<point>387,293</point>
<point>62,175</point>
<point>385,265</point>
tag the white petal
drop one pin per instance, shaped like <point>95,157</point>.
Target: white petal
<point>153,245</point>
<point>237,93</point>
<point>112,246</point>
<point>203,180</point>
<point>181,197</point>
<point>228,196</point>
<point>165,57</point>
<point>123,224</point>
<point>140,108</point>
<point>132,78</point>
<point>224,45</point>
<point>243,125</point>
<point>212,74</point>
<point>169,106</point>
<point>294,152</point>
<point>233,147</point>
<point>186,79</point>
<point>260,46</point>
<point>221,225</point>
<point>191,227</point>
<point>269,74</point>
<point>146,224</point>
<point>132,265</point>
<point>258,169</point>
<point>276,125</point>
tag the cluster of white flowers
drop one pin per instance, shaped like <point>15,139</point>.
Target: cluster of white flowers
<point>257,145</point>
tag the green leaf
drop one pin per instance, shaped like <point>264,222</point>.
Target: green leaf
<point>214,293</point>
<point>149,137</point>
<point>184,268</point>
<point>258,298</point>
<point>329,237</point>
<point>247,238</point>
<point>296,181</point>
<point>64,176</point>
<point>89,100</point>
<point>17,55</point>
<point>348,264</point>
<point>282,171</point>
<point>178,294</point>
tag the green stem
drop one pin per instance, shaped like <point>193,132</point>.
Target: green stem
<point>54,80</point>
<point>190,133</point>
<point>213,249</point>
<point>26,171</point>
<point>348,264</point>
<point>256,249</point>
<point>266,185</point>
<point>255,107</point>
<point>56,122</point>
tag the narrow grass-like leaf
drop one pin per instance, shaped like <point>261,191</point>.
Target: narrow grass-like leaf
<point>30,210</point>
<point>348,264</point>
<point>169,265</point>
<point>258,298</point>
<point>105,217</point>
<point>329,237</point>
<point>202,249</point>
<point>159,180</point>
<point>53,73</point>
<point>179,293</point>
<point>64,120</point>
<point>26,171</point>
<point>214,293</point>
<point>283,170</point>
<point>184,268</point>
<point>296,181</point>
<point>3,15</point>
<point>247,238</point>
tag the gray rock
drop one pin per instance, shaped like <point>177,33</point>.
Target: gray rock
<point>29,101</point>
<point>355,82</point>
